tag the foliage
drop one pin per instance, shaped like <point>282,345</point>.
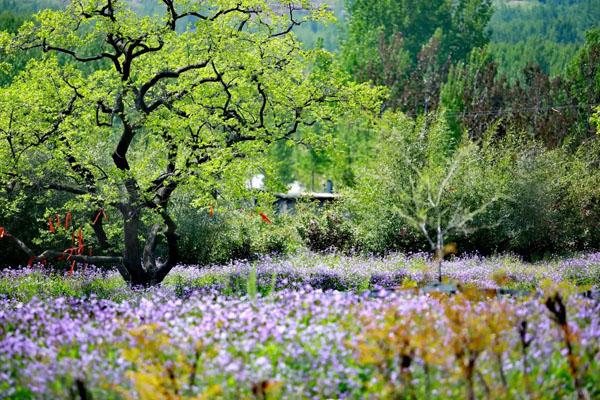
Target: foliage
<point>326,229</point>
<point>408,151</point>
<point>512,58</point>
<point>152,379</point>
<point>325,271</point>
<point>231,234</point>
<point>532,127</point>
<point>349,144</point>
<point>583,75</point>
<point>13,14</point>
<point>555,110</point>
<point>165,107</point>
<point>547,33</point>
<point>463,24</point>
<point>596,119</point>
<point>388,41</point>
<point>425,173</point>
<point>329,36</point>
<point>551,198</point>
<point>536,201</point>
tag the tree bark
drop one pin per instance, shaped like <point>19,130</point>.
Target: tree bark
<point>98,226</point>
<point>173,247</point>
<point>132,257</point>
<point>55,254</point>
<point>142,264</point>
<point>439,253</point>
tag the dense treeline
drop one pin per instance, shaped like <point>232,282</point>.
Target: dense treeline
<point>561,21</point>
<point>408,45</point>
<point>544,32</point>
<point>530,116</point>
<point>520,32</point>
<point>519,91</point>
<point>555,110</point>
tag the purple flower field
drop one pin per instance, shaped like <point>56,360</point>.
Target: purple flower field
<point>304,327</point>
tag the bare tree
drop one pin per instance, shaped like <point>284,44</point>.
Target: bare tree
<point>429,203</point>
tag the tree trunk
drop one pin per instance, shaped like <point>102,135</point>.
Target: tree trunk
<point>132,256</point>
<point>439,253</point>
<point>97,224</point>
<point>173,247</point>
<point>142,265</point>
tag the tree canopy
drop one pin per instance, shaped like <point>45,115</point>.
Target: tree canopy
<point>547,32</point>
<point>392,42</point>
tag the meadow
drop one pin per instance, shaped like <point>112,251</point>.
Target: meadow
<point>147,145</point>
<point>306,326</point>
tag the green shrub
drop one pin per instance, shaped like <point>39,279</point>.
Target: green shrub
<point>547,200</point>
<point>550,203</point>
<point>231,234</point>
<point>325,228</point>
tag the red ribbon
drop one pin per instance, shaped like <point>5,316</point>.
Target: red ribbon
<point>265,218</point>
<point>80,241</point>
<point>100,212</point>
<point>51,225</point>
<point>70,250</point>
<point>68,219</point>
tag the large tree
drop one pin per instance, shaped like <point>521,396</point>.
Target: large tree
<point>172,100</point>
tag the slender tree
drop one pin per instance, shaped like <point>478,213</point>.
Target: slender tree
<point>428,205</point>
<point>423,179</point>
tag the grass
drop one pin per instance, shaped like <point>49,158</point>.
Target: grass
<point>326,272</point>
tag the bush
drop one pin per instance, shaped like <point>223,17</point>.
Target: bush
<point>230,234</point>
<point>551,199</point>
<point>392,203</point>
<point>325,229</point>
<point>548,200</point>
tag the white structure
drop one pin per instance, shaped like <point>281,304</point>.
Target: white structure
<point>256,182</point>
<point>296,188</point>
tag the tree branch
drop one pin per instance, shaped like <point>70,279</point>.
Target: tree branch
<point>53,254</point>
<point>141,93</point>
<point>47,48</point>
<point>292,24</point>
<point>174,16</point>
<point>65,188</point>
